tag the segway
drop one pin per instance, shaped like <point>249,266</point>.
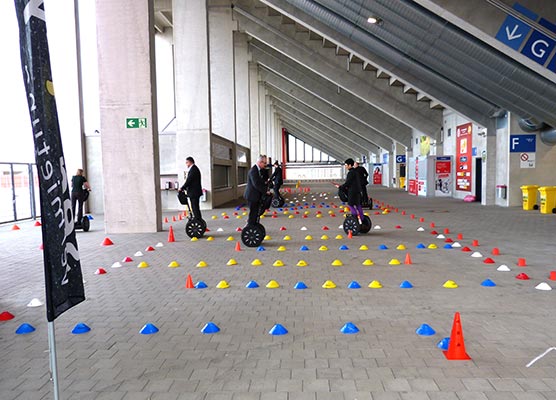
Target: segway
<point>253,234</point>
<point>278,202</point>
<point>351,222</point>
<point>195,227</point>
<point>85,223</point>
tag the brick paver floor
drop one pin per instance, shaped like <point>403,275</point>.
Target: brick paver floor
<point>505,326</point>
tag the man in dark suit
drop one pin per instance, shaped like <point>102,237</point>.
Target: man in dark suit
<point>193,186</point>
<point>364,181</point>
<point>256,188</point>
<point>277,179</point>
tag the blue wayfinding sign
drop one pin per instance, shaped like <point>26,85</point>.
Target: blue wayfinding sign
<point>400,158</point>
<point>513,32</point>
<point>538,46</point>
<point>523,143</point>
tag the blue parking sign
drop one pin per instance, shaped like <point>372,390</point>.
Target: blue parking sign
<point>538,47</point>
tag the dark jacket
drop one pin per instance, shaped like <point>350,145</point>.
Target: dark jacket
<point>256,185</point>
<point>363,175</point>
<point>193,182</point>
<point>353,187</point>
<point>277,176</point>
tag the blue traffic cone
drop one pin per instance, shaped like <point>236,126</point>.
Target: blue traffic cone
<point>382,247</point>
<point>209,328</point>
<point>201,285</point>
<point>278,330</point>
<point>448,246</point>
<point>406,285</point>
<point>90,217</point>
<point>252,285</point>
<point>261,248</point>
<point>425,330</point>
<point>80,328</point>
<point>488,283</point>
<point>421,246</point>
<point>304,248</point>
<point>354,285</point>
<point>443,344</point>
<point>148,329</point>
<point>25,329</point>
<point>300,285</point>
<point>349,328</point>
<point>344,247</point>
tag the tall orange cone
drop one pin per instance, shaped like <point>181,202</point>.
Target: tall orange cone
<point>238,247</point>
<point>171,235</point>
<point>350,234</point>
<point>456,349</point>
<point>189,282</point>
<point>408,259</point>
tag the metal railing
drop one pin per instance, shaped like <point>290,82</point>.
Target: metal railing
<point>19,192</point>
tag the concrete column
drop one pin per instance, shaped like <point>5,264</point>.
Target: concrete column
<point>193,118</point>
<point>254,128</point>
<point>221,62</point>
<point>127,89</point>
<point>262,119</point>
<point>241,67</point>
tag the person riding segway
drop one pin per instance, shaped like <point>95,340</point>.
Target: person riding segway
<point>355,222</point>
<point>278,181</point>
<point>195,226</point>
<point>363,175</point>
<point>79,194</point>
<point>258,196</point>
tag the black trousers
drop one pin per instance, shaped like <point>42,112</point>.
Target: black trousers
<point>195,207</point>
<point>253,212</point>
<point>277,190</point>
<point>77,199</point>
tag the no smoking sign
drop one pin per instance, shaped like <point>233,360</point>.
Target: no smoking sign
<point>527,160</point>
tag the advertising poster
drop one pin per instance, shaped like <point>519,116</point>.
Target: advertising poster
<point>421,166</point>
<point>464,133</point>
<point>377,174</point>
<point>443,176</point>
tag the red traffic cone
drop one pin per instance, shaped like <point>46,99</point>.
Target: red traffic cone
<point>180,217</point>
<point>37,223</point>
<point>100,271</point>
<point>6,316</point>
<point>456,348</point>
<point>408,259</point>
<point>421,219</point>
<point>432,225</point>
<point>475,243</point>
<point>412,216</point>
<point>521,262</point>
<point>174,218</point>
<point>496,251</point>
<point>238,247</point>
<point>403,212</point>
<point>488,260</point>
<point>446,231</point>
<point>107,242</point>
<point>460,236</point>
<point>189,282</point>
<point>15,228</point>
<point>171,235</point>
<point>350,234</point>
<point>552,276</point>
<point>166,220</point>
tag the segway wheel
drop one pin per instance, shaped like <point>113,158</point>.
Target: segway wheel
<point>195,228</point>
<point>253,235</point>
<point>85,224</point>
<point>351,224</point>
<point>365,225</point>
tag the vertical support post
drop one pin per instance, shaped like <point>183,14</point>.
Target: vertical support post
<point>53,359</point>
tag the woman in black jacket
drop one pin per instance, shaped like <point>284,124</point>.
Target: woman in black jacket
<point>352,186</point>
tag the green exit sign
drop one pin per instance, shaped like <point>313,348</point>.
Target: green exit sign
<point>134,123</point>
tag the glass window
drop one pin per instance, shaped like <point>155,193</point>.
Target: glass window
<point>221,176</point>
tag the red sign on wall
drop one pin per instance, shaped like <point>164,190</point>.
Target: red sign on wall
<point>464,134</point>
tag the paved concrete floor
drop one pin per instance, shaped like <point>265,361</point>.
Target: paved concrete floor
<point>505,327</point>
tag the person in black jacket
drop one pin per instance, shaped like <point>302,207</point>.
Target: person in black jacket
<point>193,186</point>
<point>352,186</point>
<point>256,188</point>
<point>277,179</point>
<point>364,181</point>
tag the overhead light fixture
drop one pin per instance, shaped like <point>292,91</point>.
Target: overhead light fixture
<point>373,19</point>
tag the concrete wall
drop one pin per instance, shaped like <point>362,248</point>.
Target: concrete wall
<point>542,174</point>
<point>165,78</point>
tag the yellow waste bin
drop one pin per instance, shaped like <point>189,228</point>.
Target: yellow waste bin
<point>529,193</point>
<point>548,199</point>
<point>402,182</point>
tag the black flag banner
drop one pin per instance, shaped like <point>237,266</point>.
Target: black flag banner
<point>62,267</point>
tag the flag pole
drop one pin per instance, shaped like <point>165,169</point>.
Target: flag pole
<point>53,359</point>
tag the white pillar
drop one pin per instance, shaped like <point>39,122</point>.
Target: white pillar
<point>130,160</point>
<point>242,89</point>
<point>490,164</point>
<point>262,119</point>
<point>193,118</point>
<point>254,127</point>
